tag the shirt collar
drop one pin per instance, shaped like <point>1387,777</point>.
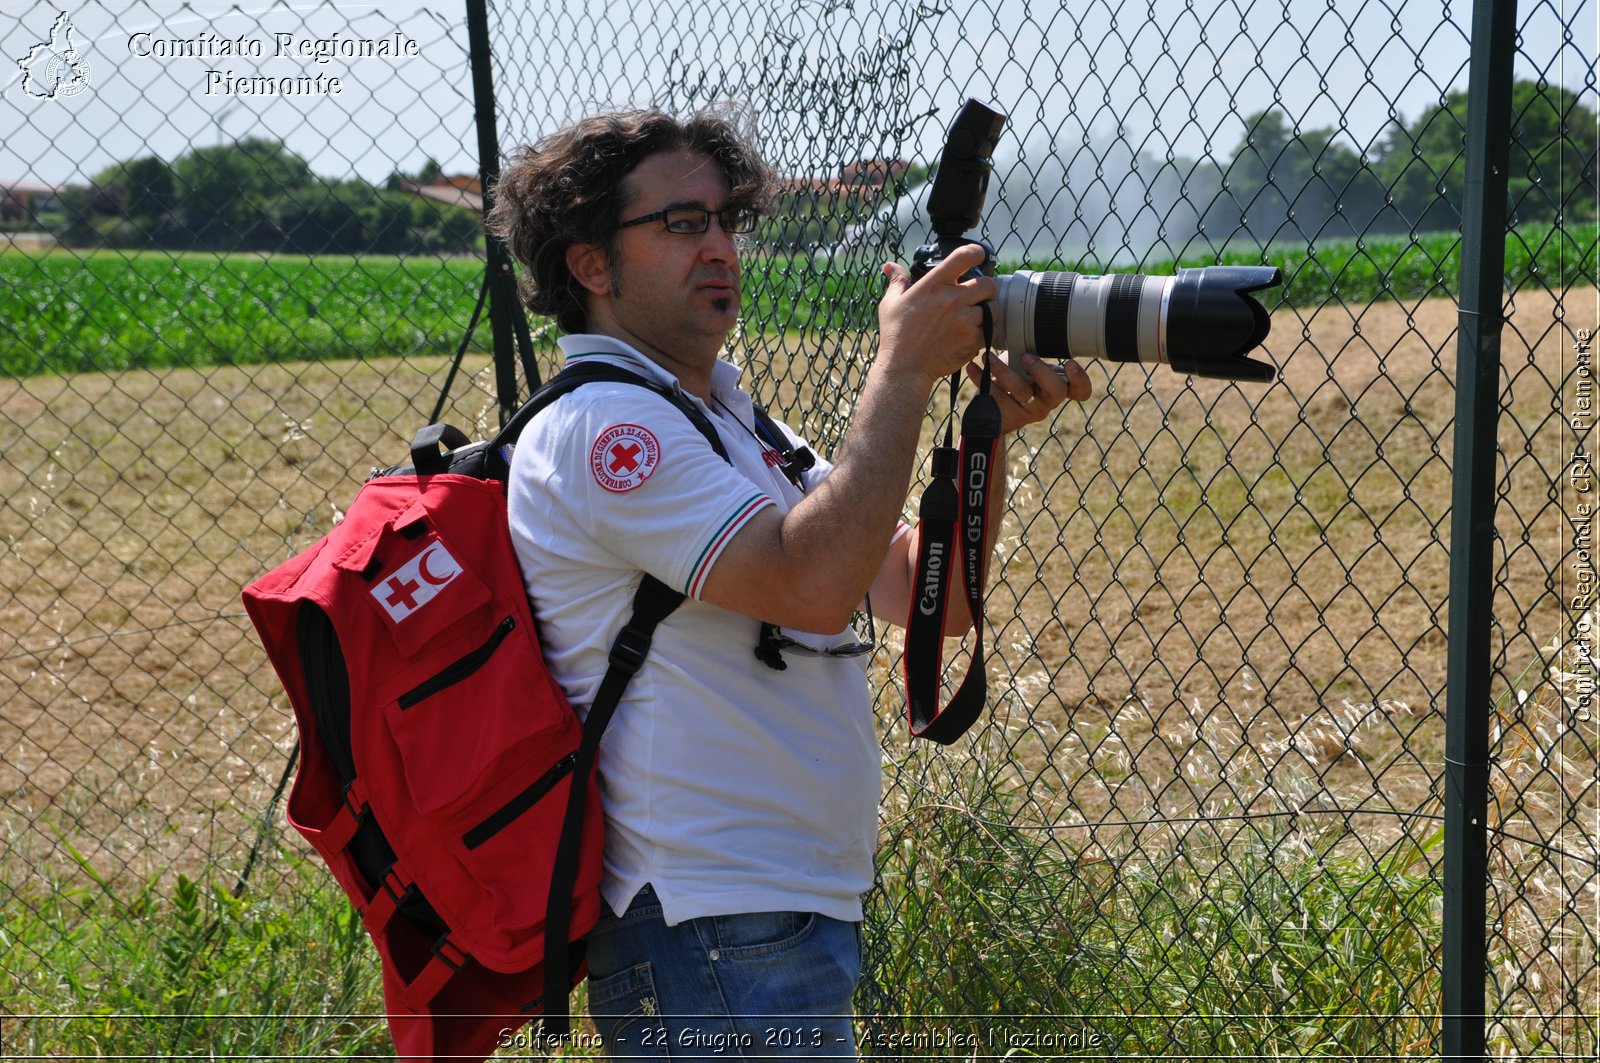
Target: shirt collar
<point>580,347</point>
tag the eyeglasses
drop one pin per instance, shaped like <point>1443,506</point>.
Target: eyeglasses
<point>687,221</point>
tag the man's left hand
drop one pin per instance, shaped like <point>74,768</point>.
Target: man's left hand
<point>1031,391</point>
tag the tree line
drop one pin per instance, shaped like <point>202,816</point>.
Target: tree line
<point>1280,184</point>
<point>256,195</point>
<point>1285,184</point>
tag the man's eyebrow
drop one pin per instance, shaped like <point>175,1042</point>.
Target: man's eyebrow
<point>698,204</point>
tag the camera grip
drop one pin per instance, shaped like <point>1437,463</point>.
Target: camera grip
<point>930,255</point>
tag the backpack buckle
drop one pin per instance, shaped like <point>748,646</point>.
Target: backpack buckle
<point>355,798</point>
<point>629,650</point>
<point>446,952</point>
<point>347,819</point>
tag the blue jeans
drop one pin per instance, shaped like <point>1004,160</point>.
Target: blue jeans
<point>762,986</point>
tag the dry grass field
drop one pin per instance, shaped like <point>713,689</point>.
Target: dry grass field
<point>1209,600</point>
<point>1174,547</point>
<point>143,713</point>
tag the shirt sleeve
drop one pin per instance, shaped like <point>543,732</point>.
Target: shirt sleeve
<point>640,478</point>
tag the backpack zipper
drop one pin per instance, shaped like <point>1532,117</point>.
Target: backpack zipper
<point>502,817</point>
<point>460,670</point>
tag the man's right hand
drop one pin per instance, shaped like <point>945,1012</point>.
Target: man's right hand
<point>934,326</point>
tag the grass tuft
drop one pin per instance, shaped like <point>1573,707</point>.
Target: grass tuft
<point>186,970</point>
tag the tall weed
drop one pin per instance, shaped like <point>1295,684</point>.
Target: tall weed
<point>1259,932</point>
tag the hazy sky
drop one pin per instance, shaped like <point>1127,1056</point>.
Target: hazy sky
<point>1178,78</point>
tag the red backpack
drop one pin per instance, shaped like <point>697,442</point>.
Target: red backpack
<point>444,777</point>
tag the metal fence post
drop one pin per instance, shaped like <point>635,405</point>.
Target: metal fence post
<point>1468,698</point>
<point>502,283</point>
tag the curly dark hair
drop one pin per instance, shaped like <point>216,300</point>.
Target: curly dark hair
<point>566,189</point>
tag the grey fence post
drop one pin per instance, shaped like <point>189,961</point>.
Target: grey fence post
<point>1468,698</point>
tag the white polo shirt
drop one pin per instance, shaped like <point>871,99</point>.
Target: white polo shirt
<point>729,786</point>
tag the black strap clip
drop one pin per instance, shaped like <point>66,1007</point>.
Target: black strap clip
<point>629,650</point>
<point>768,649</point>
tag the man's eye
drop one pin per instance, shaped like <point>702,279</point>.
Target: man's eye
<point>683,224</point>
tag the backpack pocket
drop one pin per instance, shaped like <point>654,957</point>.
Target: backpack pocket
<point>476,723</point>
<point>487,746</point>
<point>416,581</point>
<point>511,853</point>
<point>513,810</point>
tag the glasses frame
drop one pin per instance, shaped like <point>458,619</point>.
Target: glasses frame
<point>705,220</point>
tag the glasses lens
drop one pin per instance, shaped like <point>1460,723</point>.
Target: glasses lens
<point>686,220</point>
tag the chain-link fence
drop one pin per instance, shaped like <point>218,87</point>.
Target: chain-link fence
<point>1206,818</point>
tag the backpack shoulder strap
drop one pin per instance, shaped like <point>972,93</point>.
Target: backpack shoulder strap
<point>653,603</point>
<point>574,377</point>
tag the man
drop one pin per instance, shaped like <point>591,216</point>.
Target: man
<point>740,799</point>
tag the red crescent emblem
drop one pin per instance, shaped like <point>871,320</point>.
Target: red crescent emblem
<point>414,584</point>
<point>422,570</point>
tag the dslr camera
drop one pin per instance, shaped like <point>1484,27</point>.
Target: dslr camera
<point>1200,321</point>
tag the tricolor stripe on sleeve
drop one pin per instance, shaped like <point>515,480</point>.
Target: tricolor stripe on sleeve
<point>741,516</point>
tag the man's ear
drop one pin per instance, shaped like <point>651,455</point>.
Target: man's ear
<point>591,267</point>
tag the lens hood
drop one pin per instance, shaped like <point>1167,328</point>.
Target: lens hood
<point>1212,321</point>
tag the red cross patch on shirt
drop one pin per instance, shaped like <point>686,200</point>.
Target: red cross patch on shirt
<point>624,456</point>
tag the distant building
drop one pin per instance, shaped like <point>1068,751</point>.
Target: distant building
<point>864,178</point>
<point>23,200</point>
<point>458,191</point>
<point>874,173</point>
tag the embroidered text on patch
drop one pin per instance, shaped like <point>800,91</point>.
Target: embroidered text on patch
<point>624,456</point>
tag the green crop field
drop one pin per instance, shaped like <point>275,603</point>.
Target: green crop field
<point>66,312</point>
<point>99,311</point>
<point>1378,268</point>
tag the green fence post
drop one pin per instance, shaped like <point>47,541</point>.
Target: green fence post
<point>1467,698</point>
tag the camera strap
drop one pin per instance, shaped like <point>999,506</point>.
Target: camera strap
<point>953,527</point>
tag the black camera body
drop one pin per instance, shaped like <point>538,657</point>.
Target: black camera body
<point>1200,321</point>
